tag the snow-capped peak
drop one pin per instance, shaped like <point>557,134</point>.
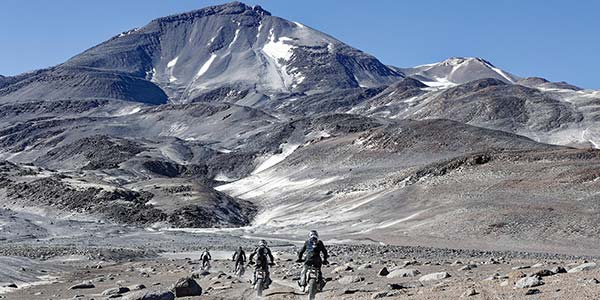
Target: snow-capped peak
<point>458,70</point>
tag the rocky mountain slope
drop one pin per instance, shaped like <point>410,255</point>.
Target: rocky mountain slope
<point>228,116</point>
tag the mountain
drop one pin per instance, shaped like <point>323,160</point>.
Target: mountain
<point>228,116</point>
<point>457,70</point>
<point>538,82</point>
<point>238,51</point>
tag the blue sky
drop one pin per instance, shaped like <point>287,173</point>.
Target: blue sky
<point>558,40</point>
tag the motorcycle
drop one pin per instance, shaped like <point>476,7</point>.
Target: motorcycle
<point>259,285</point>
<point>312,282</point>
<point>206,265</point>
<point>239,270</point>
<point>260,279</point>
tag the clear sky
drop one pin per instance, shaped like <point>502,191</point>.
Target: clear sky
<point>558,40</point>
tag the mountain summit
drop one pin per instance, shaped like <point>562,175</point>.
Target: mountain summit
<point>458,70</point>
<point>234,50</point>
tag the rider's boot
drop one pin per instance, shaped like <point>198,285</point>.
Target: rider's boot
<point>322,281</point>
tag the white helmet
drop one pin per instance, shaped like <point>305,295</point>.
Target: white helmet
<point>262,243</point>
<point>313,234</point>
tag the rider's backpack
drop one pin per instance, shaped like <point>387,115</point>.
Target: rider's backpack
<point>261,256</point>
<point>311,249</point>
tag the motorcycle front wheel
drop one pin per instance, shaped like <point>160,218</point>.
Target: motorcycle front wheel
<point>312,289</point>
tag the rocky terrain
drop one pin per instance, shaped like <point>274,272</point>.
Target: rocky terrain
<point>356,272</point>
<point>226,124</point>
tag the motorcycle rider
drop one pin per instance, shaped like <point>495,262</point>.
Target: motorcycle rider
<point>313,248</point>
<point>264,258</point>
<point>205,258</point>
<point>240,258</point>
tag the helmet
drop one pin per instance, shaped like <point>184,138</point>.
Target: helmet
<point>313,234</point>
<point>262,243</point>
<point>240,248</point>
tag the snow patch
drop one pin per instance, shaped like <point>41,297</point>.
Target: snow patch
<point>286,150</point>
<point>128,111</point>
<point>235,37</point>
<point>277,49</point>
<point>260,25</point>
<point>330,48</point>
<point>499,71</point>
<point>440,82</point>
<point>173,62</point>
<point>175,129</point>
<point>392,223</point>
<point>206,65</point>
<point>299,25</point>
<point>126,33</point>
<point>224,178</point>
<point>265,183</point>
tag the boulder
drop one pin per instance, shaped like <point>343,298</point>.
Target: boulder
<point>150,295</point>
<point>434,276</point>
<point>384,294</point>
<point>469,292</point>
<point>350,279</point>
<point>383,272</point>
<point>543,273</point>
<point>532,292</point>
<point>83,285</point>
<point>404,285</point>
<point>115,291</point>
<point>344,268</point>
<point>558,270</point>
<point>200,273</point>
<point>528,282</point>
<point>186,287</point>
<point>137,287</point>
<point>583,267</point>
<point>467,267</point>
<point>403,273</point>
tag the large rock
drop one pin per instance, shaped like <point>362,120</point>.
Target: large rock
<point>200,274</point>
<point>468,267</point>
<point>469,292</point>
<point>350,279</point>
<point>383,272</point>
<point>404,285</point>
<point>150,295</point>
<point>543,273</point>
<point>344,268</point>
<point>403,273</point>
<point>434,276</point>
<point>137,287</point>
<point>185,287</point>
<point>528,282</point>
<point>584,267</point>
<point>83,285</point>
<point>115,291</point>
<point>384,294</point>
